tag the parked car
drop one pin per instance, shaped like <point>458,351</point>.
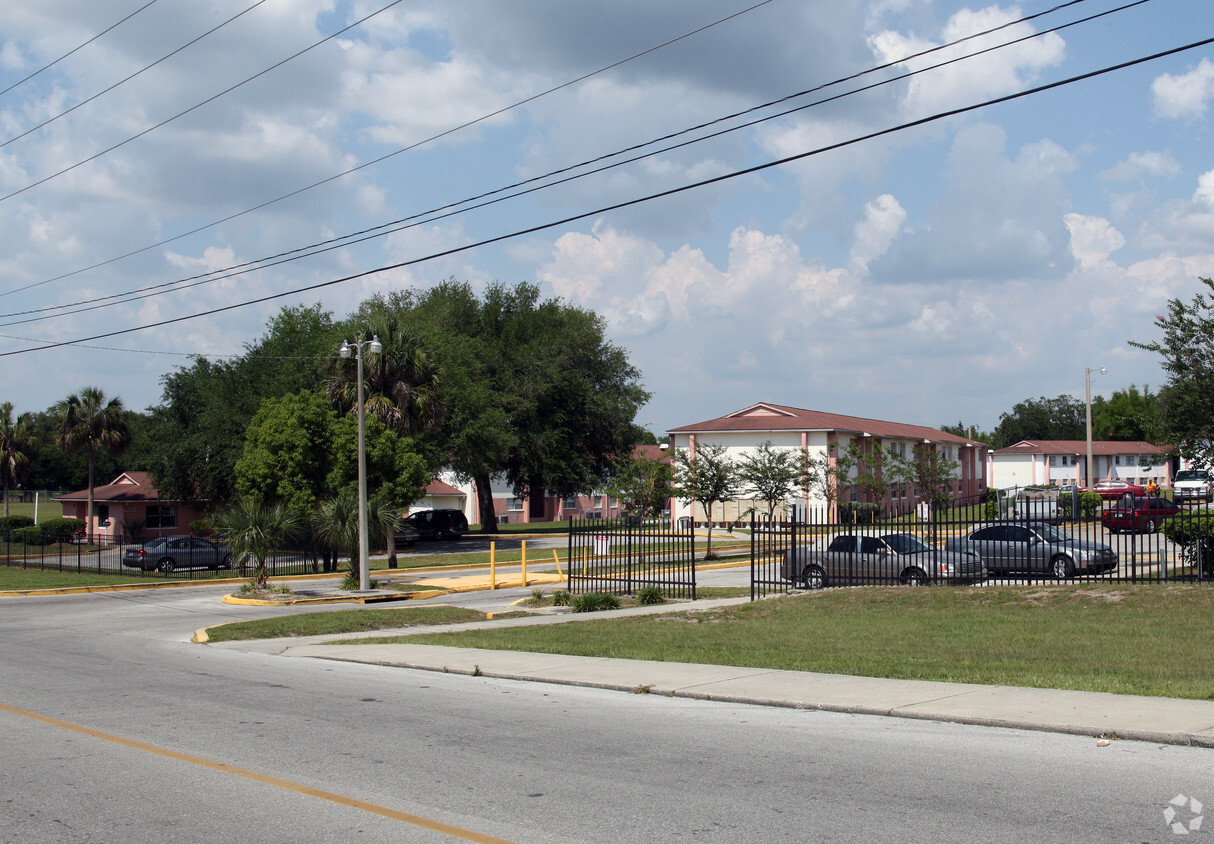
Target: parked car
<point>170,553</point>
<point>439,524</point>
<point>1034,547</point>
<point>1112,490</point>
<point>1192,485</point>
<point>855,558</point>
<point>1138,514</point>
<point>406,535</point>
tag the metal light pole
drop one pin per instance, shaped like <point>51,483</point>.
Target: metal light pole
<point>1087,382</point>
<point>364,553</point>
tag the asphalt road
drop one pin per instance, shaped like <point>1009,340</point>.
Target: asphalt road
<point>116,728</point>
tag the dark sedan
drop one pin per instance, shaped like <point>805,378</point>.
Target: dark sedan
<point>1138,514</point>
<point>171,553</point>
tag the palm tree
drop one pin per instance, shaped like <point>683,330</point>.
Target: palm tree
<point>384,518</point>
<point>17,449</point>
<point>335,525</point>
<point>252,529</point>
<point>401,385</point>
<point>87,419</point>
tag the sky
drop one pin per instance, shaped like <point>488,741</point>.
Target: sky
<point>892,245</point>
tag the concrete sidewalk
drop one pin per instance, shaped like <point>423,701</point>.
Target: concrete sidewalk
<point>1096,714</point>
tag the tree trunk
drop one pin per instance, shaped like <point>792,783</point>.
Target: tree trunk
<point>390,538</point>
<point>484,502</point>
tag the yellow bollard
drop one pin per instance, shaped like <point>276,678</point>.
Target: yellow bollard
<point>557,560</point>
<point>524,562</point>
<point>492,565</point>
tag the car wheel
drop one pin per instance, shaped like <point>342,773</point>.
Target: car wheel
<point>166,565</point>
<point>915,577</point>
<point>1063,568</point>
<point>1150,526</point>
<point>814,577</point>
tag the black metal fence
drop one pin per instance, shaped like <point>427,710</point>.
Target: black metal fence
<point>1008,540</point>
<point>74,554</point>
<point>626,554</point>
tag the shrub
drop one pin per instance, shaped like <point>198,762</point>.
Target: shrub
<point>52,530</point>
<point>991,508</point>
<point>647,595</point>
<point>8,524</point>
<point>594,602</point>
<point>864,513</point>
<point>1195,532</point>
<point>560,598</point>
<point>1090,503</point>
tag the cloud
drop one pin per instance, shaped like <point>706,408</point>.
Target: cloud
<point>1093,239</point>
<point>1140,164</point>
<point>971,80</point>
<point>1184,96</point>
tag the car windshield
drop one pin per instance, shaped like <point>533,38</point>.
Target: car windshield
<point>1052,534</point>
<point>1192,475</point>
<point>905,543</point>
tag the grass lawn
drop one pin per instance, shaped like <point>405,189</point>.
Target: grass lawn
<point>1143,640</point>
<point>13,579</point>
<point>341,621</point>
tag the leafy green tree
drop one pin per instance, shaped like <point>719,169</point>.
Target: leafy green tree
<point>1127,415</point>
<point>970,432</point>
<point>772,474</point>
<point>534,392</point>
<point>708,478</point>
<point>1186,402</point>
<point>88,421</point>
<point>18,449</point>
<point>929,471</point>
<point>288,451</point>
<point>253,528</point>
<point>197,432</point>
<point>828,478</point>
<point>642,484</point>
<point>1061,418</point>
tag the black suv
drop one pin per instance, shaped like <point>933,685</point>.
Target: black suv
<point>439,524</point>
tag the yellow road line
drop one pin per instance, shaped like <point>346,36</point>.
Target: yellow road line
<point>298,788</point>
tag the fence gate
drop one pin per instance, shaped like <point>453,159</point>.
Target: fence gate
<point>626,554</point>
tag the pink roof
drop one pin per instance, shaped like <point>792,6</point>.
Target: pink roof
<point>652,452</point>
<point>437,487</point>
<point>1100,447</point>
<point>129,486</point>
<point>773,417</point>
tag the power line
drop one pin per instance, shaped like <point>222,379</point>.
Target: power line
<point>197,106</point>
<point>383,158</point>
<point>638,200</point>
<point>416,219</point>
<point>120,82</point>
<point>49,65</point>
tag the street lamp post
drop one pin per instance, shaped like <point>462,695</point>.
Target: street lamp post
<point>364,553</point>
<point>1087,383</point>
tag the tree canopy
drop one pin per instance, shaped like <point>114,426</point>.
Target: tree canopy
<point>1186,402</point>
<point>1061,418</point>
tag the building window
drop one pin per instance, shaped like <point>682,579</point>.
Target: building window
<point>514,504</point>
<point>569,503</point>
<point>162,516</point>
<point>1053,461</point>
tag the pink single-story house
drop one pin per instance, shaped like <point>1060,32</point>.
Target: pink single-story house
<point>440,495</point>
<point>130,500</point>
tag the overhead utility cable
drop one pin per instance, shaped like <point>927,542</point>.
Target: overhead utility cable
<point>197,106</point>
<point>383,158</point>
<point>105,91</point>
<point>631,202</point>
<point>452,210</point>
<point>49,65</point>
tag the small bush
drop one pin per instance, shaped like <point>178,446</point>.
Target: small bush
<point>60,530</point>
<point>648,595</point>
<point>8,524</point>
<point>594,602</point>
<point>1090,503</point>
<point>560,598</point>
<point>537,596</point>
